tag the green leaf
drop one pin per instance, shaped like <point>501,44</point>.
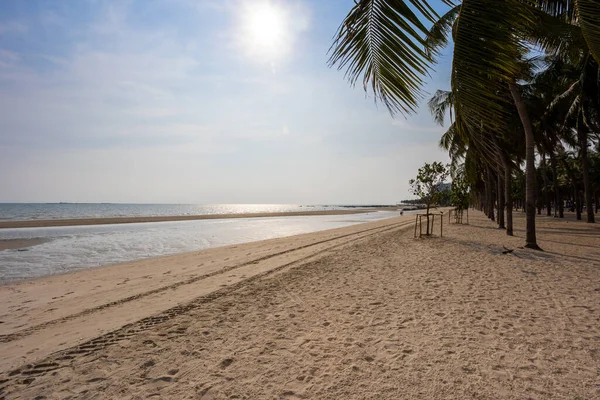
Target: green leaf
<point>487,52</point>
<point>383,41</point>
<point>441,102</point>
<point>440,31</point>
<point>588,13</point>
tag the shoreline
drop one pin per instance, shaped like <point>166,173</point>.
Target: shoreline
<point>51,310</point>
<point>168,218</point>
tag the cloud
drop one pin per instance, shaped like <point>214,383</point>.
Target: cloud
<point>9,57</point>
<point>153,102</point>
<point>13,27</point>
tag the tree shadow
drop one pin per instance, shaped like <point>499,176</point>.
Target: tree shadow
<point>534,255</point>
<point>570,243</point>
<point>575,233</point>
<point>496,249</point>
<point>493,228</point>
<point>593,260</point>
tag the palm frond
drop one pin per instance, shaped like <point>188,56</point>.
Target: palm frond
<point>439,104</point>
<point>588,13</point>
<point>440,30</point>
<point>555,35</point>
<point>448,138</point>
<point>574,109</point>
<point>568,96</point>
<point>383,41</point>
<point>585,13</point>
<point>486,53</point>
<point>565,9</point>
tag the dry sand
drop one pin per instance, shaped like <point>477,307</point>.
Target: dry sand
<point>40,223</point>
<point>363,312</point>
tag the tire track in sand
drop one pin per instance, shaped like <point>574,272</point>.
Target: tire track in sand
<point>26,374</point>
<point>29,330</point>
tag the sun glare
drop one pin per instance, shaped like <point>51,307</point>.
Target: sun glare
<point>267,30</point>
<point>265,26</point>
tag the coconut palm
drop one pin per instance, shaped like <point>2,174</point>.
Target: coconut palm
<point>506,148</point>
<point>386,43</point>
<point>456,142</point>
<point>582,104</point>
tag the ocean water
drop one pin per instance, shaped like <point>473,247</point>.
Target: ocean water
<point>29,211</point>
<point>67,249</point>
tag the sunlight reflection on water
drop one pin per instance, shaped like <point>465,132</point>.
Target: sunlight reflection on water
<point>79,247</point>
<point>28,211</point>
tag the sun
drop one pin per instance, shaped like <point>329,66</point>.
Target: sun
<point>263,31</point>
<point>265,25</point>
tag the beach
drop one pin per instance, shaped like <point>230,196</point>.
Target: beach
<point>361,312</point>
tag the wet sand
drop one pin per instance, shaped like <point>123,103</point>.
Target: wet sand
<point>362,312</point>
<point>19,243</point>
<point>131,220</point>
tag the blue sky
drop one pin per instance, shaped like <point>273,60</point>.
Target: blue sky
<point>192,101</point>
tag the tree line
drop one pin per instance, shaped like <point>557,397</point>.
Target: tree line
<point>523,111</point>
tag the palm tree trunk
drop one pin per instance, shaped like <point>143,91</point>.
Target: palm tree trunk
<point>557,197</point>
<point>489,195</point>
<point>482,203</point>
<point>530,239</point>
<point>547,199</point>
<point>576,200</point>
<point>585,161</point>
<point>500,202</point>
<point>561,207</point>
<point>508,196</point>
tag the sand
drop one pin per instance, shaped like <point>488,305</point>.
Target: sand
<point>19,243</point>
<point>363,312</point>
<point>41,223</point>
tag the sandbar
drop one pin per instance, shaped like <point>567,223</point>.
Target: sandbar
<point>130,220</point>
<point>6,244</point>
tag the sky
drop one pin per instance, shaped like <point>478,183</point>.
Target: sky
<point>196,101</point>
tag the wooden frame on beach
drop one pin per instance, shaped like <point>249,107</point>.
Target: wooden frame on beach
<point>458,216</point>
<point>419,222</point>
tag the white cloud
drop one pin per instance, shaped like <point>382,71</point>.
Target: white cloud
<point>13,27</point>
<point>145,113</point>
<point>9,57</point>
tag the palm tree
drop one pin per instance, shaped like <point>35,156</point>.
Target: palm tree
<point>570,164</point>
<point>460,148</point>
<point>582,102</point>
<point>386,42</point>
<point>502,67</point>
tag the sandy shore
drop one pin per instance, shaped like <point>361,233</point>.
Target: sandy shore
<point>364,312</point>
<point>131,220</point>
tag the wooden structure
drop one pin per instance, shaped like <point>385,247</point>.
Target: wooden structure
<point>419,223</point>
<point>458,215</point>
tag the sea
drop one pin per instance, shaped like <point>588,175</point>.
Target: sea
<point>29,211</point>
<point>71,248</point>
